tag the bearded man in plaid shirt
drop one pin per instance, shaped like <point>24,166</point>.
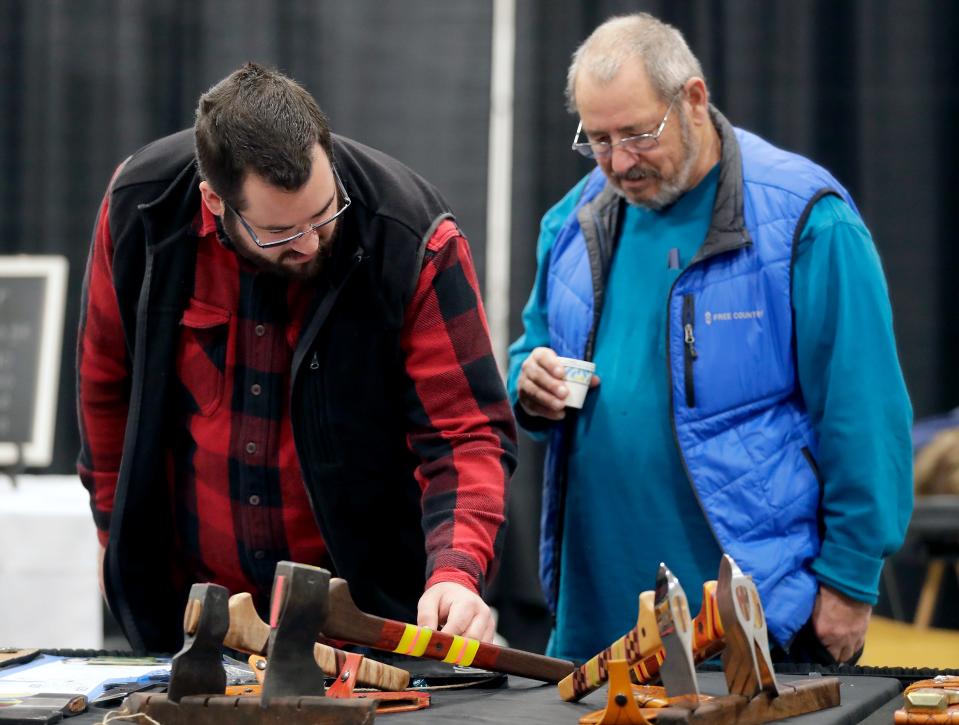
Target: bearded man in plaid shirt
<point>283,355</point>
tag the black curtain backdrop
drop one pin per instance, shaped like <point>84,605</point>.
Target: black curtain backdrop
<point>84,84</point>
<point>865,87</point>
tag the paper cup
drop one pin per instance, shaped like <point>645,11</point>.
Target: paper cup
<point>578,373</point>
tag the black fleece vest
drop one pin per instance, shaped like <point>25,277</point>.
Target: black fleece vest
<point>347,383</point>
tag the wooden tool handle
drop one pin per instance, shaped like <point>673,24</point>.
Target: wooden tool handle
<point>415,641</point>
<point>707,642</point>
<point>370,672</point>
<point>634,647</point>
<point>248,633</point>
<point>707,627</point>
<point>916,717</point>
<point>347,622</point>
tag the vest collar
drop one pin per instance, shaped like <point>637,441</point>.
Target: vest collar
<point>727,230</point>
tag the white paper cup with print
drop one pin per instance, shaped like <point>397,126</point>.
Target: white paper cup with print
<point>577,373</point>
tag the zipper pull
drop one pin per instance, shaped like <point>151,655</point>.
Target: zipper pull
<point>690,340</point>
<point>315,362</point>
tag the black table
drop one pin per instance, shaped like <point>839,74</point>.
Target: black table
<point>533,703</point>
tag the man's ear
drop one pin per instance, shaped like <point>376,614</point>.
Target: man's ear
<point>697,96</point>
<point>213,201</point>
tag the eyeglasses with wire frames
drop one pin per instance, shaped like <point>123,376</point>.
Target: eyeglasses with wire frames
<point>633,144</point>
<point>341,191</point>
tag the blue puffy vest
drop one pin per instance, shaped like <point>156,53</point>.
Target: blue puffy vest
<point>740,423</point>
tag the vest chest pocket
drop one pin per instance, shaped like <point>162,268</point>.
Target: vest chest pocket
<point>202,355</point>
<point>736,343</point>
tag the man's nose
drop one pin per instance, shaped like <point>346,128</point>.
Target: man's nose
<point>308,243</point>
<point>621,160</point>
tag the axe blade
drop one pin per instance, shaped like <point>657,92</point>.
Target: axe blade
<point>299,606</point>
<point>746,661</point>
<point>678,670</point>
<point>197,669</point>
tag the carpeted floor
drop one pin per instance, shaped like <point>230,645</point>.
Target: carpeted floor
<point>900,644</point>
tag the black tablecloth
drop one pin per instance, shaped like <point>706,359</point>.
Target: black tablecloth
<point>533,703</point>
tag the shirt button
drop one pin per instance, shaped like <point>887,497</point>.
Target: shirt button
<point>254,500</point>
<point>251,447</point>
<point>259,554</point>
<point>256,389</point>
<point>260,330</point>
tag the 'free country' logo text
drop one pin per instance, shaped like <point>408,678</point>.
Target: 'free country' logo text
<point>712,317</point>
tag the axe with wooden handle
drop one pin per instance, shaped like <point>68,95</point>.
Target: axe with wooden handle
<point>642,648</point>
<point>248,633</point>
<point>347,622</point>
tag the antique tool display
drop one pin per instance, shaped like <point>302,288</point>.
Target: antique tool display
<point>293,687</point>
<point>305,605</point>
<point>346,622</point>
<point>250,634</point>
<point>642,649</point>
<point>933,701</point>
<point>755,696</point>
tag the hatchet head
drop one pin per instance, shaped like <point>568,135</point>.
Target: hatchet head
<point>197,669</point>
<point>678,671</point>
<point>299,606</point>
<point>746,661</point>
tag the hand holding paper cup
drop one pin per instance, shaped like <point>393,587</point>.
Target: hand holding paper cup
<point>577,374</point>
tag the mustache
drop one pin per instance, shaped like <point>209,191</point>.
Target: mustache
<point>637,173</point>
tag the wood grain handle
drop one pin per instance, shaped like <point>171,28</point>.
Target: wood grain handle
<point>593,673</point>
<point>248,633</point>
<point>347,622</point>
<point>410,639</point>
<point>370,672</point>
<point>635,646</point>
<point>914,717</point>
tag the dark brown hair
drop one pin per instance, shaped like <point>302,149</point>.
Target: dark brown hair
<point>257,119</point>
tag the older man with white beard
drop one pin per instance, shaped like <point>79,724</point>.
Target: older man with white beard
<point>751,400</point>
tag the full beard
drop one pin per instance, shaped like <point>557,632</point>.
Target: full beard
<point>276,266</point>
<point>670,188</point>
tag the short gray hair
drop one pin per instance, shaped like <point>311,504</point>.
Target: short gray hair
<point>669,61</point>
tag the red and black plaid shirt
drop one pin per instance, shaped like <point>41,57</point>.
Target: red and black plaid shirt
<point>239,499</point>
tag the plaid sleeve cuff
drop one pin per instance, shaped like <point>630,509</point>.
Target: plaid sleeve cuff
<point>453,566</point>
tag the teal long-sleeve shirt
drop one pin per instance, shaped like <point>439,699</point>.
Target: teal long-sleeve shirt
<point>629,503</point>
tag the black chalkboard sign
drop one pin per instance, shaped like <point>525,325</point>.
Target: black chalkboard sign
<point>32,293</point>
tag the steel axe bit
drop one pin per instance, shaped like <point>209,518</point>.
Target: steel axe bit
<point>197,669</point>
<point>746,661</point>
<point>678,671</point>
<point>299,606</point>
